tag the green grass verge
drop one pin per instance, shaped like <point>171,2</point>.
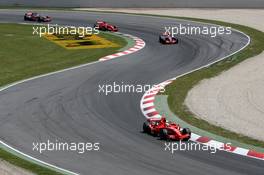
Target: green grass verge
<point>178,90</point>
<point>25,164</point>
<point>23,55</point>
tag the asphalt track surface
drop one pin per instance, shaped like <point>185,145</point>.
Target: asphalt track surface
<point>68,107</point>
<point>140,3</point>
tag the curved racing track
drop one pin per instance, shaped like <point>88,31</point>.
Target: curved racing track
<point>67,106</point>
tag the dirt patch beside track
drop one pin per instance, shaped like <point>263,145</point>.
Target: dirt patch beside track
<point>7,169</point>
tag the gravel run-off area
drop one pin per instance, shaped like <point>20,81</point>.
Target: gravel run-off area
<point>9,169</point>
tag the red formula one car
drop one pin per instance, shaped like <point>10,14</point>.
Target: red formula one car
<point>166,130</point>
<point>30,16</point>
<point>166,38</point>
<point>104,26</point>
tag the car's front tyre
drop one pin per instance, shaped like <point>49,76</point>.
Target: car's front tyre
<point>146,128</point>
<point>186,131</point>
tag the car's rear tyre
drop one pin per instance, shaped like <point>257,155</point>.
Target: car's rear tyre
<point>146,128</point>
<point>160,40</point>
<point>163,134</point>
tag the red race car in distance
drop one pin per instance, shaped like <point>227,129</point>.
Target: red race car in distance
<point>104,26</point>
<point>166,38</point>
<point>166,130</point>
<point>32,16</point>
